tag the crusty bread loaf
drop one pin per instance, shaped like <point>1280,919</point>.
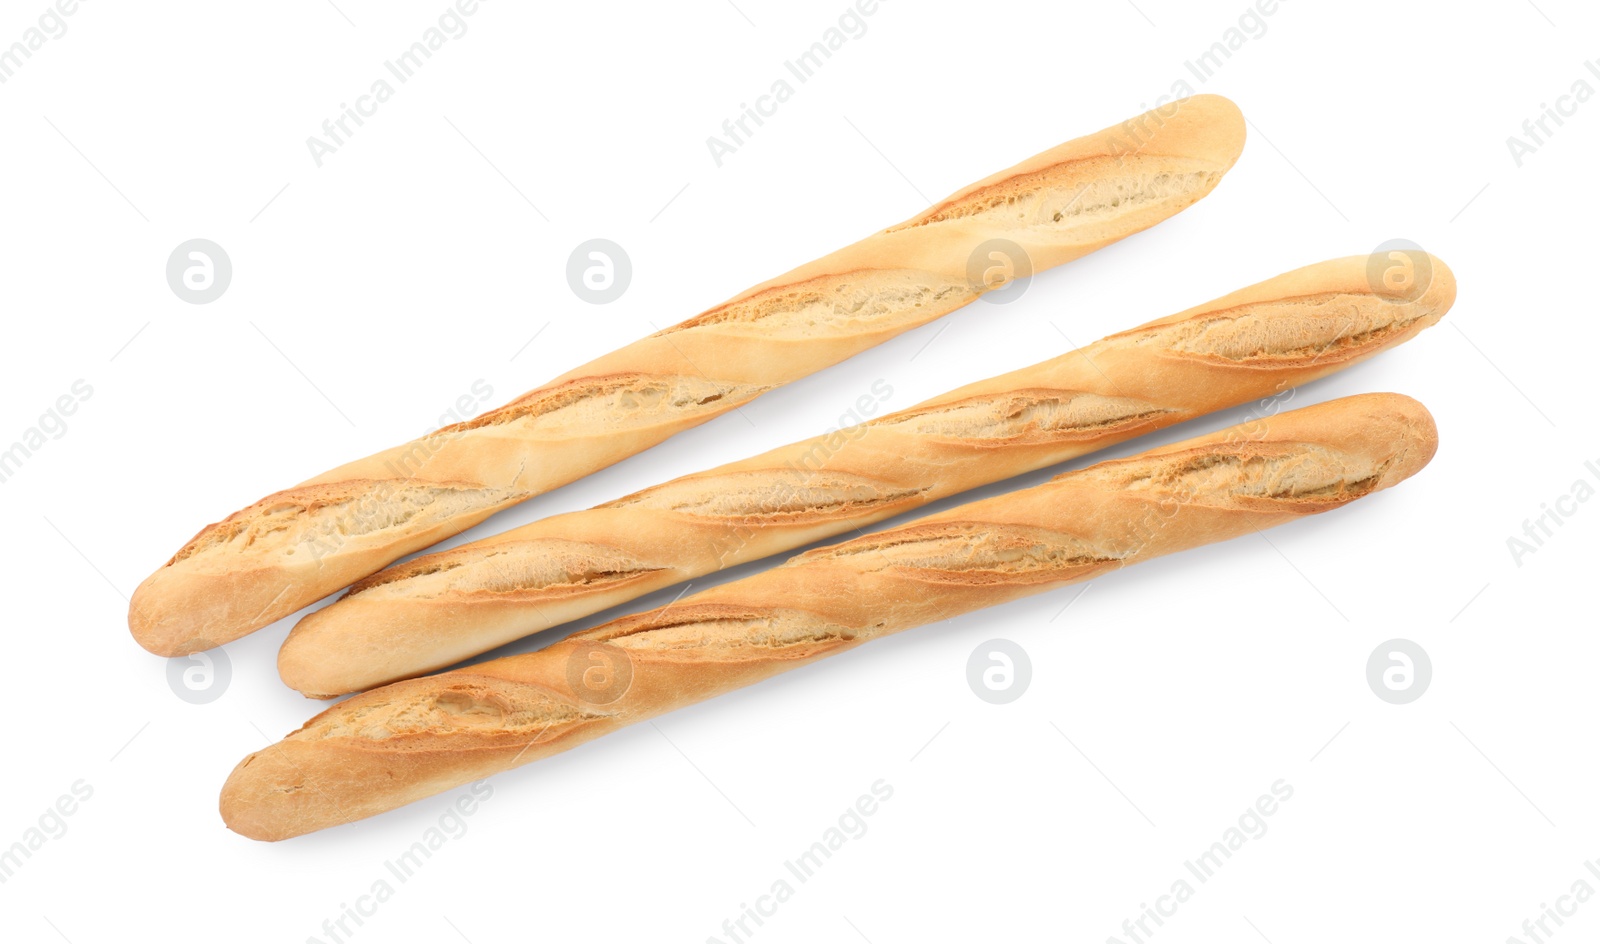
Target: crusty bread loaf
<point>436,610</point>
<point>297,546</point>
<point>400,743</point>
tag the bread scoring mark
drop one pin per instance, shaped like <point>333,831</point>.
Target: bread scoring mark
<point>315,520</point>
<point>1220,474</point>
<point>1026,417</point>
<point>542,567</point>
<point>1327,328</point>
<point>971,553</point>
<point>591,406</point>
<point>720,633</point>
<point>1088,191</point>
<point>848,303</point>
<point>772,496</point>
<point>426,713</point>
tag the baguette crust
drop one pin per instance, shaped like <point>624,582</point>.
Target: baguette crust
<point>391,746</point>
<point>439,609</point>
<point>297,546</point>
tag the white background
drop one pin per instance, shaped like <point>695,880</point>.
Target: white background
<point>373,291</point>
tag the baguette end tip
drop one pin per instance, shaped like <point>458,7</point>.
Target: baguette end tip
<point>1406,429</point>
<point>1441,293</point>
<point>151,628</point>
<point>306,664</point>
<point>169,628</point>
<point>1221,123</point>
<point>259,803</point>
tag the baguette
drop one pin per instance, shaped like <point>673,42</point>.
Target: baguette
<point>382,749</point>
<point>297,546</point>
<point>439,609</point>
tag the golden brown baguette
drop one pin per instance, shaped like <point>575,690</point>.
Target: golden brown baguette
<point>439,609</point>
<point>297,546</point>
<point>400,743</point>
